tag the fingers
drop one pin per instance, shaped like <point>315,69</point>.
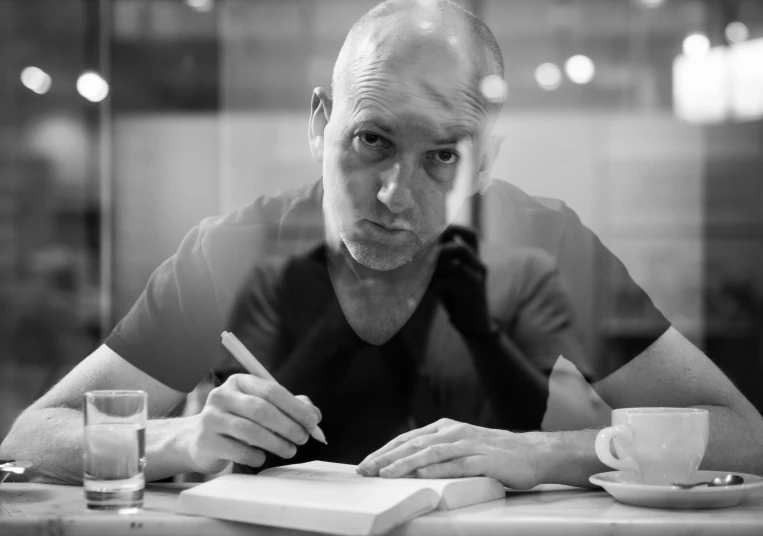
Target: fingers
<point>417,454</point>
<point>455,277</point>
<point>443,430</point>
<point>261,412</point>
<point>229,449</point>
<point>309,402</point>
<point>467,235</point>
<point>458,258</point>
<point>473,465</point>
<point>368,466</point>
<point>451,279</point>
<point>251,433</point>
<point>455,254</point>
<point>278,396</point>
<point>246,416</point>
<point>408,448</point>
<point>265,414</point>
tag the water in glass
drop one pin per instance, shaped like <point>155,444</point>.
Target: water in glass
<point>115,455</point>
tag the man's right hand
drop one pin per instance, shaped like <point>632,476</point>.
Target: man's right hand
<point>243,419</point>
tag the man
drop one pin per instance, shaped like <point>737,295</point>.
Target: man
<point>405,119</point>
<point>457,355</point>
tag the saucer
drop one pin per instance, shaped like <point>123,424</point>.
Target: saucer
<point>666,496</point>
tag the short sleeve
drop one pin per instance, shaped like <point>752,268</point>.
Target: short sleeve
<point>168,333</point>
<point>543,323</point>
<point>256,317</point>
<point>598,282</point>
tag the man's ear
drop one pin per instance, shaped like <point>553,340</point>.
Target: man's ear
<point>489,154</point>
<point>320,112</point>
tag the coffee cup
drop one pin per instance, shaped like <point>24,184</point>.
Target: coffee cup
<point>655,445</point>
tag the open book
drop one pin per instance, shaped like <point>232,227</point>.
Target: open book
<point>331,497</point>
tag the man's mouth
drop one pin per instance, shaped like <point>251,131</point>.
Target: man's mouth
<point>389,228</point>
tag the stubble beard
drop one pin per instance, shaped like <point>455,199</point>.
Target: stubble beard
<point>378,256</point>
<point>373,254</point>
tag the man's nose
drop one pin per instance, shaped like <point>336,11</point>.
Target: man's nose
<point>395,189</point>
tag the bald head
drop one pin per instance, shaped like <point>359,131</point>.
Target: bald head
<point>407,134</point>
<point>413,33</point>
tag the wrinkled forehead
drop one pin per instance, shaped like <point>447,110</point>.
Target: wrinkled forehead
<point>416,108</point>
<point>415,76</point>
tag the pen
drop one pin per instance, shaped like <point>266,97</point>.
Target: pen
<point>250,363</point>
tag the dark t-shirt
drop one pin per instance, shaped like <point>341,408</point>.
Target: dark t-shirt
<point>260,271</point>
<point>288,314</point>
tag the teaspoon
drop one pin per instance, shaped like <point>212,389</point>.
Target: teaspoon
<point>725,480</point>
<point>14,463</point>
<point>13,469</point>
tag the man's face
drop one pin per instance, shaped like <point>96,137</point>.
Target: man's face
<point>395,146</point>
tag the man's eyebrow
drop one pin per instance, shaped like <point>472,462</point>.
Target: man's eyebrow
<point>455,135</point>
<point>381,125</point>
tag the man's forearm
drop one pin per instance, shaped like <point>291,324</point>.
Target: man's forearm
<point>569,457</point>
<point>52,438</point>
<point>736,440</point>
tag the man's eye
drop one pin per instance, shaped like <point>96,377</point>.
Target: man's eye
<point>447,158</point>
<point>372,140</point>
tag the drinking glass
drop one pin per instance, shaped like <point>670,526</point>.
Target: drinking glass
<point>114,454</point>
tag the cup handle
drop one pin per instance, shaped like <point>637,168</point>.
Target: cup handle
<point>603,442</point>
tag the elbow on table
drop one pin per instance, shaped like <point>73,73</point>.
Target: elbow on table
<point>736,436</point>
<point>50,441</point>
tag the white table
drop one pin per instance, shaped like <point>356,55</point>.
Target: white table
<point>43,509</point>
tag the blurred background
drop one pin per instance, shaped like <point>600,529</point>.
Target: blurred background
<point>125,122</point>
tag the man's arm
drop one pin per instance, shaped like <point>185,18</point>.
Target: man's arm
<point>49,432</point>
<point>670,372</point>
<point>242,414</point>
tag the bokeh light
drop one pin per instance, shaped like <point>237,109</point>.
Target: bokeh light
<point>91,86</point>
<point>651,3</point>
<point>204,6</point>
<point>36,80</point>
<point>696,45</point>
<point>63,142</point>
<point>494,88</point>
<point>548,76</point>
<point>736,32</point>
<point>580,69</point>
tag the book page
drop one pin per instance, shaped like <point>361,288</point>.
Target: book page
<point>453,492</point>
<point>315,471</point>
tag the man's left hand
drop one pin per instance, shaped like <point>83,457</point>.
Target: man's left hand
<point>450,449</point>
<point>459,281</point>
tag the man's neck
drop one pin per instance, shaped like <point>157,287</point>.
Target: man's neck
<point>378,304</point>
